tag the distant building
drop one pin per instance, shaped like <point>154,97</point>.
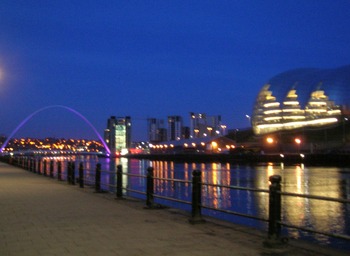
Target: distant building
<point>185,132</point>
<point>175,124</point>
<point>306,97</point>
<point>118,133</point>
<point>156,130</point>
<point>202,125</point>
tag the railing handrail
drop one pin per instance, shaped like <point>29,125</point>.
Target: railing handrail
<point>332,199</point>
<point>275,193</point>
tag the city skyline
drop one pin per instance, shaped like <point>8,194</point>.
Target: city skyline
<point>154,59</point>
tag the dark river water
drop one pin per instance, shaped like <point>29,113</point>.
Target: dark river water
<point>321,215</point>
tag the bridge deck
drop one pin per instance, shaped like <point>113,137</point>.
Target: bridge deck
<point>42,216</point>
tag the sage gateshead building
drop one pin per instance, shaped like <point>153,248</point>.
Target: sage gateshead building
<point>305,97</point>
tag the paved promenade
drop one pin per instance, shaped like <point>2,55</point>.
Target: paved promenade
<point>42,216</point>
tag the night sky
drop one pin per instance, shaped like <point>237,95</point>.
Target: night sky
<point>154,58</point>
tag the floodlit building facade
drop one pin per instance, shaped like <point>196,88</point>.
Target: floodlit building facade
<point>118,133</point>
<point>306,97</point>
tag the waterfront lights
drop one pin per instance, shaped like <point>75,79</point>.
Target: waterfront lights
<point>269,140</point>
<point>298,141</point>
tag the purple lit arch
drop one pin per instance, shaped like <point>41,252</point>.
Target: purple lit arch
<point>55,106</point>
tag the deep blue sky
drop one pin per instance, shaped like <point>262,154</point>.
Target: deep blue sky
<point>155,58</point>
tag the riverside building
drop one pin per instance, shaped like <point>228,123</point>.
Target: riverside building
<point>202,125</point>
<point>156,131</point>
<point>303,98</point>
<point>118,134</point>
<point>175,127</point>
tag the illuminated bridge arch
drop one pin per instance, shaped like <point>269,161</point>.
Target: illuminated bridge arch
<point>55,106</point>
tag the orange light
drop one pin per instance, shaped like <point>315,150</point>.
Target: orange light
<point>298,141</point>
<point>269,140</point>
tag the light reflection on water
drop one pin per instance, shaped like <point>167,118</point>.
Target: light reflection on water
<point>317,214</point>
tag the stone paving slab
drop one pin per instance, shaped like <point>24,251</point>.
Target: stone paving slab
<point>42,216</point>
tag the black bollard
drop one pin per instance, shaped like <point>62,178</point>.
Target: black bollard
<point>98,178</point>
<point>274,232</point>
<point>196,214</point>
<point>119,182</point>
<point>39,167</point>
<point>59,171</point>
<point>45,168</point>
<point>30,165</point>
<point>34,165</point>
<point>81,175</point>
<point>51,169</point>
<point>149,192</point>
<point>72,173</point>
<point>69,172</point>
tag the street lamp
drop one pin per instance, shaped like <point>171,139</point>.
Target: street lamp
<point>196,131</point>
<point>248,116</point>
<point>213,145</point>
<point>269,140</point>
<point>298,141</point>
<point>223,127</point>
<point>210,129</point>
<point>344,119</point>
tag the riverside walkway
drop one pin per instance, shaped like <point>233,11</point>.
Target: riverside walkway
<point>42,216</point>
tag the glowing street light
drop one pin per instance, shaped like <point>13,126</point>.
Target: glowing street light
<point>269,140</point>
<point>210,129</point>
<point>213,144</point>
<point>196,131</point>
<point>298,141</point>
<point>248,116</point>
<point>223,127</point>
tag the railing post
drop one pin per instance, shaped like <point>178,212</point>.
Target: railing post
<point>69,172</point>
<point>59,170</point>
<point>45,168</point>
<point>98,178</point>
<point>51,169</point>
<point>30,164</point>
<point>34,165</point>
<point>196,214</point>
<point>274,232</point>
<point>72,172</point>
<point>81,175</point>
<point>149,189</point>
<point>39,166</point>
<point>119,182</point>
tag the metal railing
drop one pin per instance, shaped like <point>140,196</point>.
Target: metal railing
<point>275,207</point>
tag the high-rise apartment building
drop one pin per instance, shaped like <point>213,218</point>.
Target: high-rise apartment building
<point>156,130</point>
<point>202,125</point>
<point>118,133</point>
<point>175,124</point>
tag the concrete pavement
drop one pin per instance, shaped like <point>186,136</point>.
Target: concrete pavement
<point>42,216</point>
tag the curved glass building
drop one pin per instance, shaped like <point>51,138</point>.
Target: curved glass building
<point>302,97</point>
